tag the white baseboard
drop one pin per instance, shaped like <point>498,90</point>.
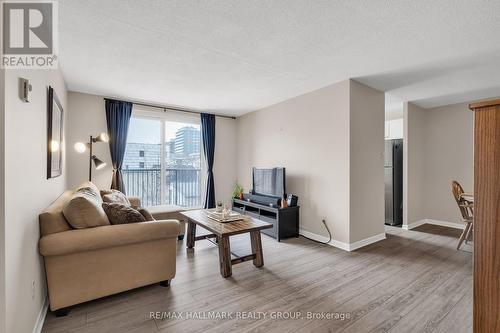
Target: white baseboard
<point>342,245</point>
<point>41,316</point>
<point>434,222</point>
<point>447,224</point>
<point>366,241</point>
<point>414,224</point>
<point>312,235</point>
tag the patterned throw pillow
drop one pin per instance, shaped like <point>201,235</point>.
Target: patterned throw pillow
<point>122,214</point>
<point>89,191</point>
<point>114,196</point>
<point>84,211</point>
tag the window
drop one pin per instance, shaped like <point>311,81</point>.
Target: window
<point>183,163</point>
<point>139,176</point>
<point>162,163</point>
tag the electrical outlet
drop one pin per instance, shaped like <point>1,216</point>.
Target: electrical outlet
<point>323,219</point>
<point>33,289</point>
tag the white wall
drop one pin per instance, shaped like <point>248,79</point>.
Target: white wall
<point>438,149</point>
<point>331,143</point>
<point>309,135</point>
<point>29,192</point>
<point>225,162</point>
<point>88,117</point>
<point>449,156</point>
<point>413,163</point>
<point>394,129</point>
<point>367,207</point>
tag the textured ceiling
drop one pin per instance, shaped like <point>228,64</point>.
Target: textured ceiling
<point>235,56</point>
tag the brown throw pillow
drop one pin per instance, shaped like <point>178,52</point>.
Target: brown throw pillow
<point>147,215</point>
<point>114,196</point>
<point>122,214</point>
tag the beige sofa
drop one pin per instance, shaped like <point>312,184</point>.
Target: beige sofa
<point>166,212</point>
<point>86,264</point>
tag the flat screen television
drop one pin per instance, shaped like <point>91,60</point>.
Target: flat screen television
<point>269,182</point>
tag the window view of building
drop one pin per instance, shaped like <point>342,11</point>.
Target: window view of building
<point>137,158</point>
<point>174,180</point>
<point>187,140</point>
<point>184,149</point>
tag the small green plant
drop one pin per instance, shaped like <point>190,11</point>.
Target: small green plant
<point>238,190</point>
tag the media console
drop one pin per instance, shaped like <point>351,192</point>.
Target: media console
<point>285,221</point>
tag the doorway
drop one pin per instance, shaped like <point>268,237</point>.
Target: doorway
<point>393,162</point>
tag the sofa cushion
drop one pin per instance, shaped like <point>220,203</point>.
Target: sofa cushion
<point>90,189</point>
<point>89,192</point>
<point>165,212</point>
<point>114,196</point>
<point>84,210</point>
<point>134,201</point>
<point>147,215</point>
<point>52,219</point>
<point>75,241</point>
<point>122,214</point>
<point>170,212</point>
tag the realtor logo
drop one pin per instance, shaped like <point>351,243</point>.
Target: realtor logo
<point>29,34</point>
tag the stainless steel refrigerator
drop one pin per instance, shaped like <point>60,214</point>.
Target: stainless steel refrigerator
<point>393,182</point>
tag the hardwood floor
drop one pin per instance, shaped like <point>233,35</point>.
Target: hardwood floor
<point>414,281</point>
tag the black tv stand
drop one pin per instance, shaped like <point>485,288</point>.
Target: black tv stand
<point>285,221</point>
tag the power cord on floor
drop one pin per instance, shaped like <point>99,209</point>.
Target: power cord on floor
<point>329,235</point>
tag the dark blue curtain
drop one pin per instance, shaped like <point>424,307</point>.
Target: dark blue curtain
<point>118,115</point>
<point>208,136</point>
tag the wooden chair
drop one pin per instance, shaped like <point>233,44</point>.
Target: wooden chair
<point>466,209</point>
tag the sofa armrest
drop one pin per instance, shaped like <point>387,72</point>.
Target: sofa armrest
<point>73,241</point>
<point>134,201</point>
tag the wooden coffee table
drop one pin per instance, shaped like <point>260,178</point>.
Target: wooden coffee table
<point>222,231</point>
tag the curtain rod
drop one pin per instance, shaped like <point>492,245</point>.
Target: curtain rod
<point>165,108</point>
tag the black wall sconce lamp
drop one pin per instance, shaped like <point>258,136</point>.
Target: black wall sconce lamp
<point>81,147</point>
